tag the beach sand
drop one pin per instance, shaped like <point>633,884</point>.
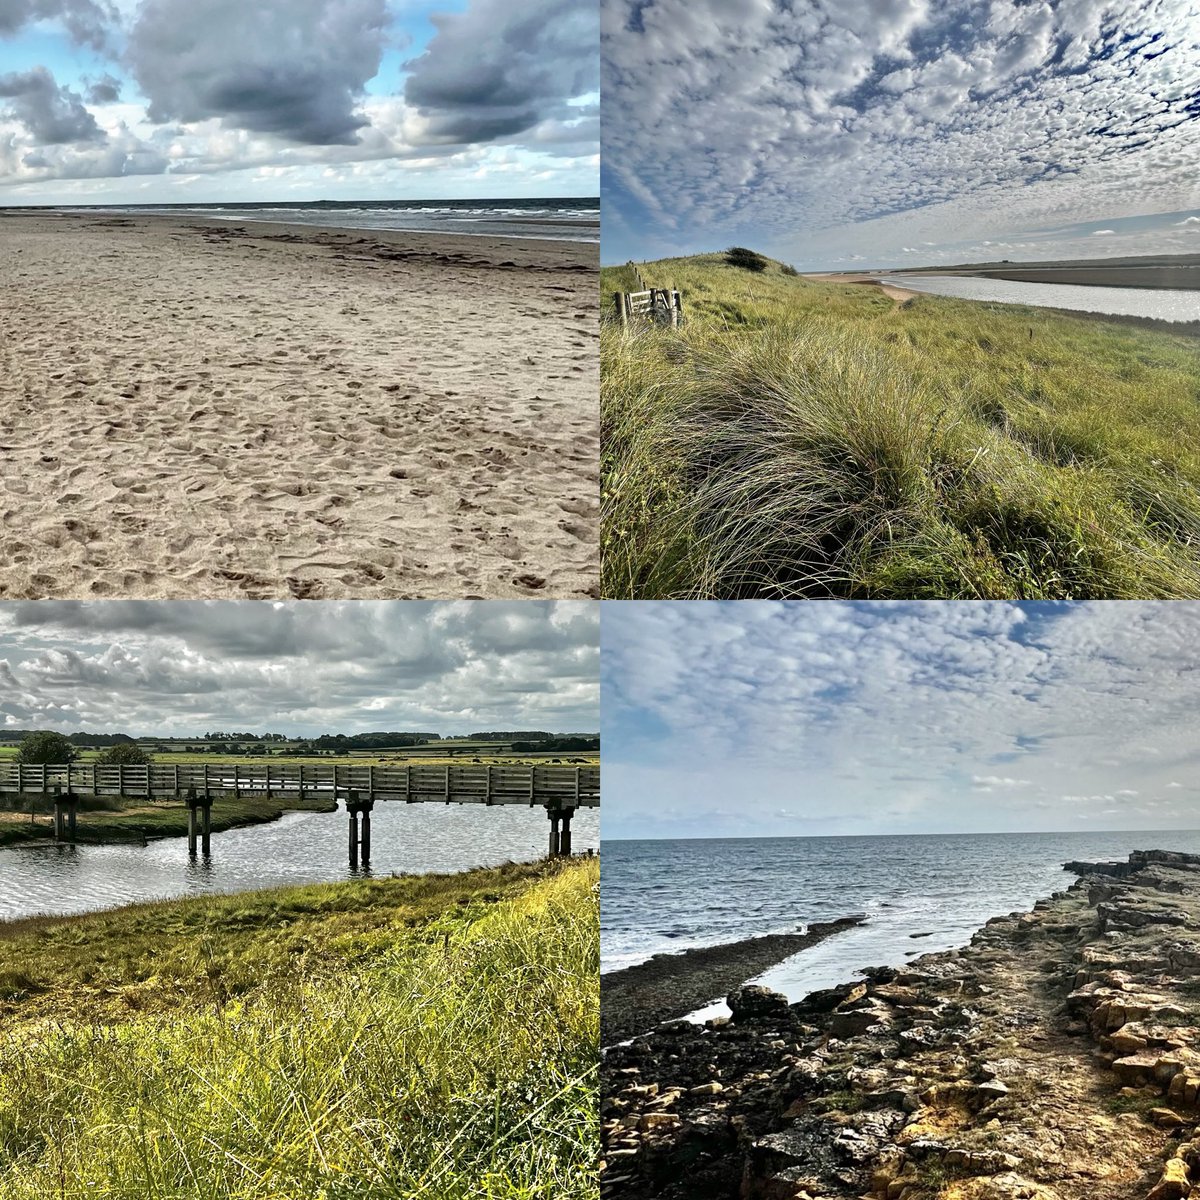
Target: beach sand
<point>890,290</point>
<point>199,409</point>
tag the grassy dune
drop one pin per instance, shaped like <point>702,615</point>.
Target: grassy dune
<point>809,439</point>
<point>430,1037</point>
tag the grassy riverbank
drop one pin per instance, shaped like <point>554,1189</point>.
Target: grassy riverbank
<point>432,1037</point>
<point>112,819</point>
<point>810,439</point>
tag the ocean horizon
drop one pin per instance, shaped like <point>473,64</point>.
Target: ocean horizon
<point>556,218</point>
<point>919,892</point>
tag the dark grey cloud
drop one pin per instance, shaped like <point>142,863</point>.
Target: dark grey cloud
<point>296,667</point>
<point>296,71</point>
<point>500,69</point>
<point>105,90</point>
<point>87,21</point>
<point>53,115</point>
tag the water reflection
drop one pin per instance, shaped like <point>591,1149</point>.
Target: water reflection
<point>298,848</point>
<point>1165,304</point>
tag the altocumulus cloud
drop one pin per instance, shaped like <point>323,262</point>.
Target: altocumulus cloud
<point>844,130</point>
<point>378,95</point>
<point>183,667</point>
<point>865,718</point>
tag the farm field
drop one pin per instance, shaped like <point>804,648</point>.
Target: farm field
<point>431,1036</point>
<point>808,439</point>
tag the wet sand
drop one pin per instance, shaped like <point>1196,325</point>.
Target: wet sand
<point>636,999</point>
<point>192,409</point>
<point>890,290</point>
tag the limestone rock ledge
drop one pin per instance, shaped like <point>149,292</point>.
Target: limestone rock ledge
<point>1057,1057</point>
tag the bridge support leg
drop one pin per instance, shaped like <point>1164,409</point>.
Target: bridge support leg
<point>359,839</point>
<point>193,813</point>
<point>564,838</point>
<point>206,831</point>
<point>72,810</point>
<point>59,822</point>
<point>554,834</point>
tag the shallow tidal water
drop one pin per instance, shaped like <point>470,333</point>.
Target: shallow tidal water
<point>298,848</point>
<point>1164,304</point>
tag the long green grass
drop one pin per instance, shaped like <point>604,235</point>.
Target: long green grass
<point>426,1037</point>
<point>799,438</point>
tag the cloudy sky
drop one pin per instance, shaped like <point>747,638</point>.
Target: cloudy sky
<point>178,101</point>
<point>186,667</point>
<point>843,133</point>
<point>759,718</point>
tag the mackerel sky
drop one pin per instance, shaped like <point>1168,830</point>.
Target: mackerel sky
<point>837,134</point>
<point>185,667</point>
<point>179,101</point>
<point>754,719</point>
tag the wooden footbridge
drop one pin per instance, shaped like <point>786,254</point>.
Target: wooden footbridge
<point>560,790</point>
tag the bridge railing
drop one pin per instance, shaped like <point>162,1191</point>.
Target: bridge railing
<point>501,783</point>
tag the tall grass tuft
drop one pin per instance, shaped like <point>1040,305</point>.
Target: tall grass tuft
<point>805,439</point>
<point>454,1058</point>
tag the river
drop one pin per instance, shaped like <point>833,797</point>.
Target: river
<point>1161,303</point>
<point>298,848</point>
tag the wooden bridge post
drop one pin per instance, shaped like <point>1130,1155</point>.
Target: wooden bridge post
<point>554,833</point>
<point>59,823</point>
<point>360,837</point>
<point>352,811</point>
<point>72,809</point>
<point>564,838</point>
<point>199,818</point>
<point>192,806</point>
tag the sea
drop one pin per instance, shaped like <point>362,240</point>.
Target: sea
<point>575,219</point>
<point>297,848</point>
<point>918,893</point>
<point>1163,304</point>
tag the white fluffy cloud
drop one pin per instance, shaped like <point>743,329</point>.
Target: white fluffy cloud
<point>893,717</point>
<point>182,667</point>
<point>849,127</point>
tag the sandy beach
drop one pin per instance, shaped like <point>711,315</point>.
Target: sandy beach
<point>192,409</point>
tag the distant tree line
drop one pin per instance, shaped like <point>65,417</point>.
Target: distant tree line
<point>528,735</point>
<point>558,744</point>
<point>246,737</point>
<point>53,749</point>
<point>75,739</point>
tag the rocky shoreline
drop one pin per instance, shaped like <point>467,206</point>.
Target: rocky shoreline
<point>636,999</point>
<point>1056,1057</point>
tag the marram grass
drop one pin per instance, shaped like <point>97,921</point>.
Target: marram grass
<point>432,1037</point>
<point>805,439</point>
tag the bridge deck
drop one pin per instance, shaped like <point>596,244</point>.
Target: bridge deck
<point>550,787</point>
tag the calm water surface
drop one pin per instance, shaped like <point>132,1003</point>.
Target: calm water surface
<point>665,896</point>
<point>298,848</point>
<point>1163,303</point>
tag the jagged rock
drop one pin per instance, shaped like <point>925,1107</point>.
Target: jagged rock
<point>754,1001</point>
<point>1174,1184</point>
<point>953,1067</point>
